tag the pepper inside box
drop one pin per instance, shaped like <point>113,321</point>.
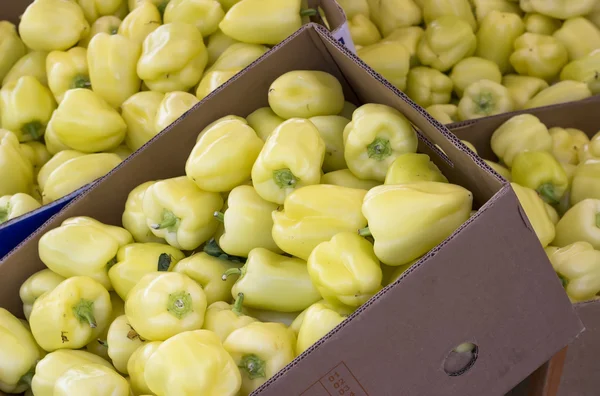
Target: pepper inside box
<point>489,284</point>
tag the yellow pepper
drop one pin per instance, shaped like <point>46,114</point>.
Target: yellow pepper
<point>535,209</point>
<point>345,178</point>
<point>305,94</point>
<point>236,57</point>
<point>213,80</point>
<point>181,213</point>
<point>55,364</point>
<point>392,14</point>
<point>192,363</point>
<point>207,270</point>
<point>377,135</point>
<point>11,47</point>
<point>314,214</point>
<point>91,379</point>
<point>136,367</point>
<point>204,14</point>
<point>590,150</point>
<point>541,172</point>
<point>390,58</point>
<point>345,269</point>
<point>16,171</point>
<point>19,354</point>
<point>139,112</point>
<point>580,223</point>
<point>173,106</point>
<point>54,162</point>
<point>578,266</point>
<point>53,25</point>
<point>140,22</point>
<point>285,318</point>
<point>223,156</point>
<point>264,121</point>
<point>247,222</point>
<point>67,70</point>
<point>133,218</point>
<point>273,282</point>
<point>161,5</point>
<point>331,129</point>
<point>501,170</point>
<point>99,346</point>
<point>561,9</point>
<point>571,35</point>
<point>538,55</point>
<point>586,181</point>
<point>470,146</point>
<point>484,98</point>
<point>26,107</point>
<point>173,58</point>
<point>408,220</point>
<point>409,37</point>
<point>541,24</point>
<point>82,246</point>
<point>433,9</point>
<point>75,173</point>
<point>106,24</point>
<point>260,350</point>
<point>163,304</point>
<point>524,132</point>
<point>223,318</point>
<point>447,40</point>
<point>217,43</point>
<point>70,315</point>
<point>112,66</point>
<point>13,206</point>
<point>566,144</point>
<point>444,113</point>
<point>122,341</point>
<point>522,88</point>
<point>561,92</point>
<point>484,7</point>
<point>413,167</point>
<point>585,69</point>
<point>291,158</point>
<point>363,31</point>
<point>37,153</point>
<point>94,9</point>
<point>471,70</point>
<point>318,320</point>
<point>354,7</point>
<point>31,64</point>
<point>496,36</point>
<point>427,86</point>
<point>37,284</point>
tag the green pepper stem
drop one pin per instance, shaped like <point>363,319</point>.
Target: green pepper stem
<point>485,103</point>
<point>548,193</point>
<point>180,304</point>
<point>164,262</point>
<point>103,343</point>
<point>238,304</point>
<point>597,220</point>
<point>33,129</point>
<point>84,312</point>
<point>219,216</point>
<point>27,377</point>
<point>231,271</point>
<point>308,12</point>
<point>563,280</point>
<point>379,149</point>
<point>284,178</point>
<point>253,365</point>
<point>168,220</point>
<point>81,81</point>
<point>365,232</point>
<point>114,30</point>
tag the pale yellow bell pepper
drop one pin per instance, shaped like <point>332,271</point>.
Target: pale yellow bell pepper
<point>412,167</point>
<point>13,206</point>
<point>524,132</point>
<point>584,69</point>
<point>37,284</point>
<point>106,24</point>
<point>264,121</point>
<point>31,64</point>
<point>567,143</point>
<point>523,88</point>
<point>363,31</point>
<point>139,113</point>
<point>99,346</point>
<point>433,9</point>
<point>562,9</point>
<point>91,379</point>
<point>213,80</point>
<point>561,92</point>
<point>217,43</point>
<point>16,171</point>
<point>318,320</point>
<point>471,70</point>
<point>136,367</point>
<point>331,129</point>
<point>427,86</point>
<point>122,341</point>
<point>172,106</point>
<point>140,22</point>
<point>484,7</point>
<point>223,318</point>
<point>390,58</point>
<point>204,14</point>
<point>392,14</point>
<point>578,266</point>
<point>444,113</point>
<point>133,218</point>
<point>579,36</point>
<point>11,47</point>
<point>94,9</point>
<point>535,209</point>
<point>67,70</point>
<point>586,181</point>
<point>495,38</point>
<point>541,24</point>
<point>484,98</point>
<point>345,178</point>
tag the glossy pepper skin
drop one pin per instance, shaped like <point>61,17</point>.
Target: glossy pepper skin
<point>523,88</point>
<point>407,220</point>
<point>108,24</point>
<point>392,14</point>
<point>524,132</point>
<point>173,58</point>
<point>70,315</point>
<point>389,58</point>
<point>571,36</point>
<point>20,354</point>
<point>427,86</point>
<point>591,149</point>
<point>122,341</point>
<point>223,318</point>
<point>99,346</point>
<point>176,363</point>
<point>586,181</point>
<point>248,222</point>
<point>91,379</point>
<point>471,70</point>
<point>264,121</point>
<point>377,135</point>
<point>413,167</point>
<point>561,92</point>
<point>26,107</point>
<point>223,156</point>
<point>237,56</point>
<point>216,44</point>
<point>562,9</point>
<point>580,223</point>
<point>184,224</point>
<point>541,172</point>
<point>409,37</point>
<point>12,206</point>
<point>31,64</point>
<point>260,350</point>
<point>139,112</point>
<point>331,129</point>
<point>318,320</point>
<point>345,178</point>
<point>53,164</point>
<point>447,40</point>
<point>538,55</point>
<point>496,35</point>
<point>36,285</point>
<point>542,24</point>
<point>133,218</point>
<point>444,113</point>
<point>136,367</point>
<point>172,106</point>
<point>305,94</point>
<point>578,266</point>
<point>536,212</point>
<point>290,159</point>
<point>112,61</point>
<point>273,282</point>
<point>484,98</point>
<point>204,14</point>
<point>212,80</point>
<point>53,25</point>
<point>363,31</point>
<point>585,69</point>
<point>11,47</point>
<point>345,269</point>
<point>94,9</point>
<point>67,70</point>
<point>567,143</point>
<point>135,260</point>
<point>314,214</point>
<point>140,22</point>
<point>85,122</point>
<point>37,153</point>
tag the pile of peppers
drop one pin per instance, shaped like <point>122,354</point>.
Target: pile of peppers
<point>281,225</point>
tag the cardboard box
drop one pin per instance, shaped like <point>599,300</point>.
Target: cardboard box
<point>579,375</point>
<point>490,283</point>
<point>16,230</point>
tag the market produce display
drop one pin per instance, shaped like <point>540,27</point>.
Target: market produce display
<point>555,173</point>
<point>220,277</point>
<point>85,83</point>
<point>466,59</point>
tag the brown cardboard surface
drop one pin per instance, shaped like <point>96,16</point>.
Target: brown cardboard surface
<point>490,283</point>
